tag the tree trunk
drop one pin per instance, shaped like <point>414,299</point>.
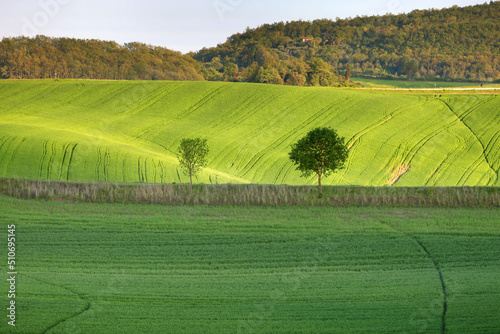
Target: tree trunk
<point>319,185</point>
<point>191,180</point>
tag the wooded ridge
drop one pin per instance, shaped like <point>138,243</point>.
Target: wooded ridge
<point>449,44</point>
<point>452,43</point>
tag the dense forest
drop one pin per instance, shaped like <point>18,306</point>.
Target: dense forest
<point>63,58</point>
<point>45,57</point>
<point>452,43</point>
<point>449,44</point>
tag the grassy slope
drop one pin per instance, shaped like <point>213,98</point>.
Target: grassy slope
<point>409,84</point>
<point>129,131</point>
<point>105,268</point>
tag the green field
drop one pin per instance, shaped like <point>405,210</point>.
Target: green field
<point>122,131</point>
<point>111,268</point>
<point>409,84</point>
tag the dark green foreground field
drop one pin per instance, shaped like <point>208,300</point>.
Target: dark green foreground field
<point>116,268</point>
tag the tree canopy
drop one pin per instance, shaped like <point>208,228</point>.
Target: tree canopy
<point>321,151</point>
<point>449,44</point>
<point>452,43</point>
<point>68,58</point>
<point>192,155</point>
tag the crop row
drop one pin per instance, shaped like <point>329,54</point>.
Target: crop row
<point>128,268</point>
<point>129,132</point>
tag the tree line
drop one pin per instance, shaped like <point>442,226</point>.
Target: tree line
<point>44,57</point>
<point>452,43</point>
<point>68,58</point>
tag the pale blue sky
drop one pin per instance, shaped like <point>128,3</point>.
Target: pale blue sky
<point>183,26</point>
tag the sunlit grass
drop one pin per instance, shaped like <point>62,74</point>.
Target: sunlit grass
<point>108,268</point>
<point>124,131</point>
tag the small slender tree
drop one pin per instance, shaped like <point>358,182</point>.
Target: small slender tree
<point>348,73</point>
<point>192,155</point>
<point>321,151</point>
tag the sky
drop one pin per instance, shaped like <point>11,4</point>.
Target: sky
<point>184,26</point>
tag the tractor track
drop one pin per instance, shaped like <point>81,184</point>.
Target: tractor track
<point>74,315</point>
<point>434,263</point>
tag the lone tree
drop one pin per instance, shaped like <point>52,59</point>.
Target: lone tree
<point>321,151</point>
<point>348,73</point>
<point>192,156</point>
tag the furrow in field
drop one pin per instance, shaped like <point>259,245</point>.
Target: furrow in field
<point>153,132</point>
<point>154,129</point>
<point>381,121</point>
<point>245,136</point>
<point>42,159</point>
<point>283,173</point>
<point>140,174</point>
<point>442,166</point>
<point>320,117</point>
<point>106,164</point>
<point>249,128</point>
<point>117,97</point>
<point>80,296</point>
<point>233,115</point>
<point>207,98</point>
<point>343,113</point>
<point>50,163</point>
<point>386,121</point>
<point>15,150</point>
<point>493,149</point>
<point>235,148</point>
<point>225,123</point>
<point>317,118</point>
<point>465,144</point>
<point>392,165</point>
<point>436,266</point>
<point>3,140</point>
<point>154,172</point>
<point>472,168</point>
<point>162,171</point>
<point>459,118</point>
<point>4,148</point>
<point>71,98</point>
<point>70,161</point>
<point>357,137</point>
<point>30,96</point>
<point>124,169</point>
<point>65,154</point>
<point>454,162</point>
<point>469,171</point>
<point>261,104</point>
<point>217,125</point>
<point>98,164</point>
<point>113,143</point>
<point>144,98</point>
<point>138,100</point>
<point>443,285</point>
<point>448,162</point>
<point>278,174</point>
<point>415,149</point>
<point>395,161</point>
<point>273,145</point>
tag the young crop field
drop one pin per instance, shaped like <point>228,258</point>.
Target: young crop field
<point>412,84</point>
<point>123,131</point>
<point>114,268</point>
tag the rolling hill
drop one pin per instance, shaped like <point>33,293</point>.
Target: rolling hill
<point>451,43</point>
<point>457,43</point>
<point>128,131</point>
